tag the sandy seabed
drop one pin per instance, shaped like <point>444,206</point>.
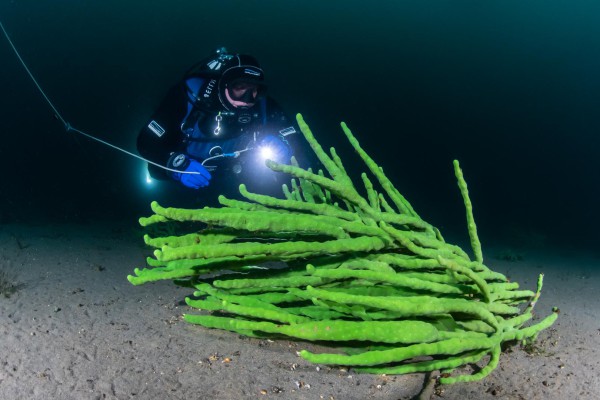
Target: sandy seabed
<point>77,329</point>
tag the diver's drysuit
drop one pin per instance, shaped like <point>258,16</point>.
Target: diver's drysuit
<point>196,119</point>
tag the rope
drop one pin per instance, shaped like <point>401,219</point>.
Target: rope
<point>67,125</point>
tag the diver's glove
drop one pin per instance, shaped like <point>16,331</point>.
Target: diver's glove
<point>193,174</point>
<point>275,148</point>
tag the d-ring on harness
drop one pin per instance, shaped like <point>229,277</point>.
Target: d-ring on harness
<point>218,118</point>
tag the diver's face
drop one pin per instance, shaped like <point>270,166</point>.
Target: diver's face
<point>242,95</point>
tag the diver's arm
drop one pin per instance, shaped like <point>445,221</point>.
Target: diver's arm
<point>161,136</point>
<point>278,123</point>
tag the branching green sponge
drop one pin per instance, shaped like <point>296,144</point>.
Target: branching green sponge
<point>359,269</point>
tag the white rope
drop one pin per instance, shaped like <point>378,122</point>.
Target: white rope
<point>68,126</point>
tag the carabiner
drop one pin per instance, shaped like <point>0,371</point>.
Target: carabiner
<point>218,118</point>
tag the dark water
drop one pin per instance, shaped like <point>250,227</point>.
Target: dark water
<point>510,88</point>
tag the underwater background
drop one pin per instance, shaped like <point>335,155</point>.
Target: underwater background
<point>509,88</point>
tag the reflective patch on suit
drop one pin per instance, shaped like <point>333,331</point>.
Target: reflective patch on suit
<point>156,128</point>
<point>244,118</point>
<point>214,64</point>
<point>287,131</point>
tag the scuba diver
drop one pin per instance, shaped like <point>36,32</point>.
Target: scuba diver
<point>215,122</point>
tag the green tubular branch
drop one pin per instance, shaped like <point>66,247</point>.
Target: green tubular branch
<point>504,286</point>
<point>405,332</point>
<point>289,195</point>
<point>269,283</point>
<point>372,290</point>
<point>513,295</point>
<point>462,184</point>
<point>253,312</point>
<point>475,326</point>
<point>380,357</point>
<point>500,309</point>
<point>399,200</point>
<point>517,322</point>
<point>387,208</point>
<point>241,205</point>
<point>275,298</point>
<point>363,263</point>
<point>205,288</point>
<point>189,239</point>
<point>153,219</point>
<point>372,194</point>
<point>258,220</point>
<point>300,248</point>
<point>427,366</point>
<point>338,162</point>
<point>184,268</point>
<point>145,275</point>
<point>485,371</point>
<point>315,313</point>
<point>533,330</point>
<point>410,262</point>
<point>536,296</point>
